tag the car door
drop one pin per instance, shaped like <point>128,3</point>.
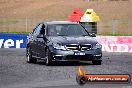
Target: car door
<point>32,40</point>
<point>41,42</point>
<point>35,40</point>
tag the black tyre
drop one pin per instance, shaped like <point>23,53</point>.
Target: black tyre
<point>30,59</point>
<point>49,58</point>
<point>97,62</point>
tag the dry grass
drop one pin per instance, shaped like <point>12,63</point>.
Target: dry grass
<point>60,9</point>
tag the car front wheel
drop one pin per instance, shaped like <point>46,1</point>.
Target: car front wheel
<point>49,58</point>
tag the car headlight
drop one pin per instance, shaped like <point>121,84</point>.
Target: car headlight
<point>97,46</point>
<point>59,47</point>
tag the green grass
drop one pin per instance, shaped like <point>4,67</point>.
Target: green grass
<point>117,34</point>
<point>16,32</point>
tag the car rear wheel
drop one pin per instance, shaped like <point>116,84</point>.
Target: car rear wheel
<point>30,59</point>
<point>97,62</point>
<point>49,58</point>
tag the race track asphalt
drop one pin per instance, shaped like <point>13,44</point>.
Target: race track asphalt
<point>15,72</point>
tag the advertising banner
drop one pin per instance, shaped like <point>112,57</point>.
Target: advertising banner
<point>115,43</point>
<point>109,43</point>
<point>12,40</point>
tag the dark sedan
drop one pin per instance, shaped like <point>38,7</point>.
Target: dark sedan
<point>62,41</point>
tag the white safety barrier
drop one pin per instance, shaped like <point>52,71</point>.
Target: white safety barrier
<point>115,43</point>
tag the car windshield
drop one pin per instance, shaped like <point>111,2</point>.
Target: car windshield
<point>66,30</point>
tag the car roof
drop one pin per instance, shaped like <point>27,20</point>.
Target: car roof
<point>61,22</point>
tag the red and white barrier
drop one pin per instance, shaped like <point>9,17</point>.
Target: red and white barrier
<point>115,43</point>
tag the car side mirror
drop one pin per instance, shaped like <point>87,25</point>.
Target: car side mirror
<point>40,36</point>
<point>92,34</point>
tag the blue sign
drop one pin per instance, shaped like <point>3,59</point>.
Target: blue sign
<point>13,40</point>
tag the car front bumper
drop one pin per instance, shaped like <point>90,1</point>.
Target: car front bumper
<point>69,55</point>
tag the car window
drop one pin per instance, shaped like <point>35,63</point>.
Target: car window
<point>66,30</point>
<point>52,30</point>
<point>37,30</point>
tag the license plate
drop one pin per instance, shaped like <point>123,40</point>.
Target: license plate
<point>80,53</point>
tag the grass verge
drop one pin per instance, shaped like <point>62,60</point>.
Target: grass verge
<point>103,34</point>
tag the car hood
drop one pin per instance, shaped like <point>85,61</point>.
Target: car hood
<point>72,40</point>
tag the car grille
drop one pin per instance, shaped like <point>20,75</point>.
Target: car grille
<point>78,47</point>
